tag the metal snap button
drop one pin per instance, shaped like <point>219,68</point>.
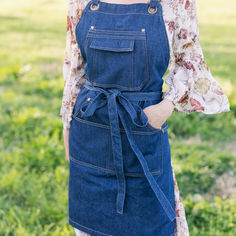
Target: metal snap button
<point>152,10</point>
<point>88,99</point>
<point>94,6</point>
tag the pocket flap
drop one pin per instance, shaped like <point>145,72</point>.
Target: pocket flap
<point>116,45</point>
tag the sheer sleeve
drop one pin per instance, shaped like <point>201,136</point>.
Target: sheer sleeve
<point>73,66</point>
<point>191,84</point>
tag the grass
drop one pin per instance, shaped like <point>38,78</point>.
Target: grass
<point>33,171</point>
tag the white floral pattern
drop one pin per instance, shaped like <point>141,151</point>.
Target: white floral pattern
<point>191,84</point>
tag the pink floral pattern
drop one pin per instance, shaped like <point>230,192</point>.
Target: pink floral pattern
<point>191,84</point>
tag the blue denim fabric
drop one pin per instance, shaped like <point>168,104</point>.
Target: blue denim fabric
<point>121,181</point>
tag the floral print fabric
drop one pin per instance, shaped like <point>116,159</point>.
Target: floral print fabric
<point>191,84</point>
<point>192,87</point>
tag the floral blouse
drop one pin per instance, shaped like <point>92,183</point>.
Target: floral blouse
<point>192,88</point>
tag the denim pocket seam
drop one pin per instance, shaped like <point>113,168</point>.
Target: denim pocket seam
<point>122,130</point>
<point>146,62</point>
<point>108,170</point>
<point>115,37</point>
<point>118,31</point>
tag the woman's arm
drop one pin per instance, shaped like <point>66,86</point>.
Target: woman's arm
<point>191,84</point>
<point>73,70</point>
<point>73,67</point>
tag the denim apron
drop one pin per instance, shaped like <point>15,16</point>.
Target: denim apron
<point>120,179</point>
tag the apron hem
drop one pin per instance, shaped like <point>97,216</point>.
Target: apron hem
<point>89,230</point>
<point>86,229</point>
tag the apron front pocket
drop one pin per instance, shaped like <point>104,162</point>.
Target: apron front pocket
<point>89,145</point>
<point>151,147</point>
<point>117,59</point>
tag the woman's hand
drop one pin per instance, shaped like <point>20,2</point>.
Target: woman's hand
<point>66,143</point>
<point>157,114</point>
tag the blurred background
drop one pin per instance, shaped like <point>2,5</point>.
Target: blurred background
<point>33,170</point>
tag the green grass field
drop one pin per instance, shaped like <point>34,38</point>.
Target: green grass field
<point>33,171</point>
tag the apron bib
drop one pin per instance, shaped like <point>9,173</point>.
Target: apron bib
<point>121,181</point>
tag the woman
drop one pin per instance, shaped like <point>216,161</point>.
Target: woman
<point>114,112</point>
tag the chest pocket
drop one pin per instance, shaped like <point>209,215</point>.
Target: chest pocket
<point>117,59</point>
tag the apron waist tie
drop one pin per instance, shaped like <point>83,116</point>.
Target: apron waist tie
<point>118,104</point>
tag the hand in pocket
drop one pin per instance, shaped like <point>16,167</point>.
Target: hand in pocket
<point>157,114</point>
